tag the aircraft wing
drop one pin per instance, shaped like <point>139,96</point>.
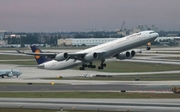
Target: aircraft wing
<point>4,73</point>
<point>76,56</point>
<point>51,55</point>
<point>83,55</point>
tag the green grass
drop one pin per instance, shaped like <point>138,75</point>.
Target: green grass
<point>173,58</point>
<point>86,95</point>
<point>20,62</point>
<point>11,57</point>
<point>121,66</point>
<point>115,66</point>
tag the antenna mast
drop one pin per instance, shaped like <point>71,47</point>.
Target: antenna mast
<point>122,26</point>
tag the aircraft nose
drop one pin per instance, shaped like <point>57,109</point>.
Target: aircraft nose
<point>156,34</point>
<point>41,66</point>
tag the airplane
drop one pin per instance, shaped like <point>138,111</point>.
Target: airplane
<point>118,48</point>
<point>10,73</point>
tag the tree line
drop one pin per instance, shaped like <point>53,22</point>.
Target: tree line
<point>33,38</point>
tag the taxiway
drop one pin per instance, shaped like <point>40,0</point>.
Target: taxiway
<point>147,105</point>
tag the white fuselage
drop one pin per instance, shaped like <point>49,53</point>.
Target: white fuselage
<point>106,50</point>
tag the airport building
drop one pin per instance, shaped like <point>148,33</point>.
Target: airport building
<point>83,41</point>
<point>168,40</point>
<point>2,34</point>
<point>97,41</point>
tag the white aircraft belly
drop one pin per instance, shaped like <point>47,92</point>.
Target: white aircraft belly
<point>62,64</point>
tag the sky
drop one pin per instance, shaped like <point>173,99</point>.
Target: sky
<point>78,15</point>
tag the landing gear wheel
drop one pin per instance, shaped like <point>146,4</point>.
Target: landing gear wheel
<point>100,67</point>
<point>81,68</point>
<point>103,65</point>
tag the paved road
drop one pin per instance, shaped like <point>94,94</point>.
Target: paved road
<point>147,105</point>
<point>84,88</point>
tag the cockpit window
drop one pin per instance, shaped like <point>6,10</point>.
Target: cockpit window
<point>151,32</point>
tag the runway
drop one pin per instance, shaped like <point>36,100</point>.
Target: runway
<point>84,88</point>
<point>147,105</point>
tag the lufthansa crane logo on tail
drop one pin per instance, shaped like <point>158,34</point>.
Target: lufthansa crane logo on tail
<point>37,52</point>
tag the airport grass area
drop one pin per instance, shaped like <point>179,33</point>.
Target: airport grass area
<point>17,59</point>
<point>122,66</point>
<point>23,63</point>
<point>144,77</point>
<point>112,66</point>
<point>86,95</point>
<point>14,57</point>
<point>172,58</point>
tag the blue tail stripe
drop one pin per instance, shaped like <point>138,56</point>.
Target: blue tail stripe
<point>39,59</point>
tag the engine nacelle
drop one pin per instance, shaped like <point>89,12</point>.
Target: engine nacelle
<point>126,55</point>
<point>133,53</point>
<point>10,74</point>
<point>91,57</point>
<point>61,56</point>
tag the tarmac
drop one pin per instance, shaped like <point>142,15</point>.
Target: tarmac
<point>31,75</point>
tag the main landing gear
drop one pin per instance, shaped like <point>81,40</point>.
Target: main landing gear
<point>101,67</point>
<point>87,66</point>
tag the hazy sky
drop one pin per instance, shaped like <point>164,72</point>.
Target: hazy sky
<point>75,15</point>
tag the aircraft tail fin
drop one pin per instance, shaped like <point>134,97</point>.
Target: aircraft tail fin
<point>39,58</point>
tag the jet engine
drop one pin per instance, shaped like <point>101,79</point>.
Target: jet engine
<point>91,57</point>
<point>10,74</point>
<point>126,55</point>
<point>61,56</point>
